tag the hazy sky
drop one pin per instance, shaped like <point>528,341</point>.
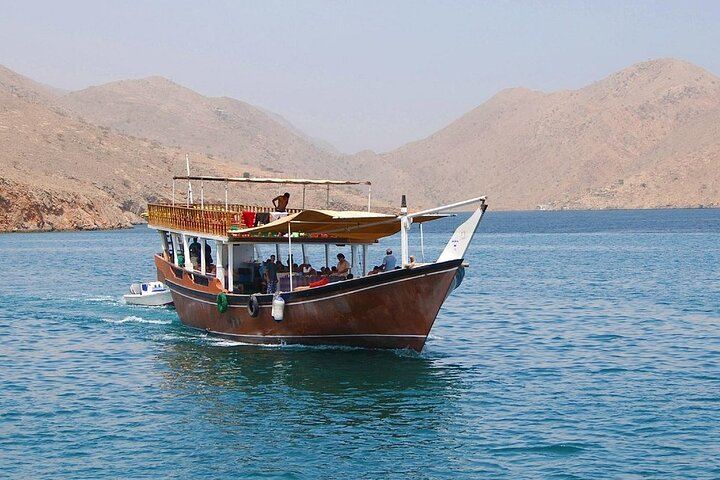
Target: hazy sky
<point>360,74</point>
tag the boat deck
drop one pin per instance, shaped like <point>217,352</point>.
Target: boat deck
<point>212,219</point>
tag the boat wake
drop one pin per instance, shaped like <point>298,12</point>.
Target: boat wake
<point>136,319</point>
<point>103,299</point>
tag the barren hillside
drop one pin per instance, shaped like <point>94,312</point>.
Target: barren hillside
<point>647,136</point>
<point>643,137</point>
<point>158,109</point>
<point>58,171</point>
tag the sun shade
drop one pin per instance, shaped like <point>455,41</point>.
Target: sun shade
<point>352,225</point>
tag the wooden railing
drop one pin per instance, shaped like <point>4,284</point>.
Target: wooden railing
<point>211,219</point>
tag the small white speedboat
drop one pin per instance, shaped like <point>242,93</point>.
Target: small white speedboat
<point>148,294</point>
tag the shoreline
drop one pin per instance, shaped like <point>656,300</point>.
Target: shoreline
<point>540,211</point>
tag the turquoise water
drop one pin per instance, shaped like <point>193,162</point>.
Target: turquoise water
<point>581,345</point>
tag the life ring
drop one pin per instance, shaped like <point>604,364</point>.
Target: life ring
<point>253,306</point>
<point>222,302</point>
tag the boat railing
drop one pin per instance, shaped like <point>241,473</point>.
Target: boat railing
<point>213,219</point>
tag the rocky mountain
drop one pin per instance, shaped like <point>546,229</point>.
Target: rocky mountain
<point>643,137</point>
<point>59,171</point>
<point>158,109</point>
<point>647,136</point>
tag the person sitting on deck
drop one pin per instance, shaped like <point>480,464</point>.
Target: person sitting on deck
<point>280,202</point>
<point>307,269</point>
<point>343,266</point>
<point>376,269</point>
<point>389,261</point>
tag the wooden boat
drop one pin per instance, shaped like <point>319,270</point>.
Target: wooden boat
<point>224,295</point>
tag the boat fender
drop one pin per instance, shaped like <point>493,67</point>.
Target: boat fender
<point>222,302</point>
<point>278,308</point>
<point>253,306</point>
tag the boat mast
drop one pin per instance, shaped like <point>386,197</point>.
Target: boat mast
<point>190,196</point>
<point>405,224</point>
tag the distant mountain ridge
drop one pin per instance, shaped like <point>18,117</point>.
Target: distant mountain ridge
<point>628,141</point>
<point>647,136</point>
<point>60,171</point>
<point>161,110</point>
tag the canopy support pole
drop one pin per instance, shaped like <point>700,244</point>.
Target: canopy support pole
<point>220,267</point>
<point>405,224</point>
<point>364,260</point>
<point>290,255</point>
<point>354,258</point>
<point>164,244</point>
<point>231,266</point>
<point>422,243</point>
<point>203,263</point>
<point>186,252</point>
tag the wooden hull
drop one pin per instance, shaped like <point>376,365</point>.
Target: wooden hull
<point>390,310</point>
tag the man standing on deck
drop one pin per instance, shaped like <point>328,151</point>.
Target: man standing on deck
<point>271,277</point>
<point>280,202</point>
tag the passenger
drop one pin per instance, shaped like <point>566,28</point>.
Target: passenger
<point>306,268</point>
<point>411,262</point>
<point>261,274</point>
<point>271,271</point>
<point>343,266</point>
<point>195,253</point>
<point>279,265</point>
<point>376,269</point>
<point>389,261</point>
<point>280,202</point>
<point>208,256</point>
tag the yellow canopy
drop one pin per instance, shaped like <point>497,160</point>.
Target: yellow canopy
<point>365,227</point>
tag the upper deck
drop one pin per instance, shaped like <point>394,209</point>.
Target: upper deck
<point>240,222</point>
<point>210,219</point>
<point>252,223</point>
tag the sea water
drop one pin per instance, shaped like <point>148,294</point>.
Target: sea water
<point>580,345</point>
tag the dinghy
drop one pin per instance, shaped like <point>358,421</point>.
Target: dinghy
<point>148,294</point>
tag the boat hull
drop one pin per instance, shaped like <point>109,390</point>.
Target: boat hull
<point>149,300</point>
<point>390,310</point>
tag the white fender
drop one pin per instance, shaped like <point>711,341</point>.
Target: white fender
<point>278,308</point>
